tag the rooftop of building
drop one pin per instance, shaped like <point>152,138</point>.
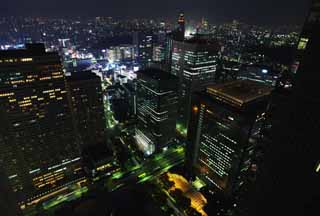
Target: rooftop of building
<point>97,152</point>
<point>81,76</point>
<point>201,39</point>
<point>158,74</point>
<point>29,51</point>
<point>239,92</point>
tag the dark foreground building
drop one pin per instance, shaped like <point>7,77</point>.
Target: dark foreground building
<point>87,106</point>
<point>289,180</point>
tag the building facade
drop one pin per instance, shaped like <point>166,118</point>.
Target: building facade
<point>143,42</point>
<point>87,107</point>
<point>194,62</point>
<point>157,103</point>
<point>224,129</point>
<point>39,149</point>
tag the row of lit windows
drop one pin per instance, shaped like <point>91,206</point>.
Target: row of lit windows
<point>16,60</point>
<point>6,94</point>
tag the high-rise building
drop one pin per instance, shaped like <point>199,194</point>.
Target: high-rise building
<point>120,53</point>
<point>194,62</point>
<point>181,26</point>
<point>204,27</point>
<point>158,53</point>
<point>143,42</point>
<point>313,19</point>
<point>157,103</point>
<point>175,35</point>
<point>87,106</point>
<point>292,157</point>
<point>224,128</point>
<point>38,146</point>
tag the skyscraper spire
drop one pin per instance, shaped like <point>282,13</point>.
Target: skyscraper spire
<point>181,23</point>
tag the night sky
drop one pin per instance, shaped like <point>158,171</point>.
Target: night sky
<point>253,11</point>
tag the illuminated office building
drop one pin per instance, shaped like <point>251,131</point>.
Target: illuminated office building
<point>120,53</point>
<point>143,42</point>
<point>38,148</point>
<point>224,128</point>
<point>157,103</point>
<point>158,53</point>
<point>87,106</point>
<point>194,62</point>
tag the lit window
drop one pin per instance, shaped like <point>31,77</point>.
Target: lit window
<point>195,109</point>
<point>318,168</point>
<point>26,59</point>
<point>303,43</point>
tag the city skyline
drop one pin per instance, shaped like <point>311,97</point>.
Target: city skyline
<point>107,114</point>
<point>254,12</point>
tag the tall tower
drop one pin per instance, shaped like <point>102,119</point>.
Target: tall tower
<point>38,148</point>
<point>223,132</point>
<point>176,35</point>
<point>181,24</point>
<point>157,105</point>
<point>293,146</point>
<point>194,62</point>
<point>143,42</point>
<point>87,105</point>
<point>307,32</point>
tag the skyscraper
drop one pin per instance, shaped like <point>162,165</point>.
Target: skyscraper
<point>292,158</point>
<point>224,128</point>
<point>157,103</point>
<point>176,35</point>
<point>194,62</point>
<point>87,106</point>
<point>307,32</point>
<point>143,42</point>
<point>38,149</point>
<point>181,26</point>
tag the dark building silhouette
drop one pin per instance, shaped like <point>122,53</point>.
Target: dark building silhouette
<point>157,103</point>
<point>39,151</point>
<point>224,129</point>
<point>8,204</point>
<point>87,106</point>
<point>98,161</point>
<point>288,183</point>
<point>181,27</point>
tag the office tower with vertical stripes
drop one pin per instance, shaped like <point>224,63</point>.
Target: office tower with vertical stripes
<point>224,129</point>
